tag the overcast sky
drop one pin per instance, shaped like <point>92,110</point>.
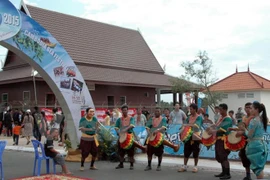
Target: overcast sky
<point>233,32</point>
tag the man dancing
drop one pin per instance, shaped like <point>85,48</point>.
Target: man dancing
<point>242,153</point>
<point>89,143</point>
<point>154,126</point>
<point>192,145</point>
<point>125,124</point>
<point>222,127</point>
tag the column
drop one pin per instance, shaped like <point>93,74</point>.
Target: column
<point>180,98</point>
<point>158,96</point>
<point>174,98</point>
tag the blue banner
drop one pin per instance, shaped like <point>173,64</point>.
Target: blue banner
<point>172,134</point>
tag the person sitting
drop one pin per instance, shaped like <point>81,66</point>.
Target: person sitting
<point>51,152</point>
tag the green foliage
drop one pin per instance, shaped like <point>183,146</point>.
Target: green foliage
<point>67,145</point>
<point>107,145</point>
<point>25,42</point>
<point>201,70</point>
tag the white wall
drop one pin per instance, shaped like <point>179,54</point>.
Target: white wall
<point>265,99</point>
<point>234,102</point>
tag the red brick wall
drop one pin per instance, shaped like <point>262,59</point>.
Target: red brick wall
<point>135,96</point>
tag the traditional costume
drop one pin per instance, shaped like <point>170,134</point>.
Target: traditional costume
<point>128,146</point>
<point>256,149</point>
<point>242,152</point>
<point>156,146</point>
<point>221,150</point>
<point>89,143</point>
<point>192,144</point>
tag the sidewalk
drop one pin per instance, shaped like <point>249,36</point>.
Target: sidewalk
<point>209,164</point>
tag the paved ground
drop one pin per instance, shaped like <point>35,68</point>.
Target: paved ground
<point>18,164</point>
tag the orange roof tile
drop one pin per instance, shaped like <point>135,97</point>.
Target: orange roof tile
<point>241,81</point>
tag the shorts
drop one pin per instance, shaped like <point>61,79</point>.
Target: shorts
<point>59,159</point>
<point>88,147</point>
<point>192,148</point>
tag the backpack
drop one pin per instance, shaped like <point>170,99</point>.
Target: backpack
<point>38,118</point>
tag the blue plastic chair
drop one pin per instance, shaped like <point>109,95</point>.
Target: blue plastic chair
<point>39,157</point>
<point>2,148</point>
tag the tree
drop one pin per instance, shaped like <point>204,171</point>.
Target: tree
<point>201,70</point>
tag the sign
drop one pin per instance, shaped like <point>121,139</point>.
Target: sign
<point>10,20</point>
<point>33,43</point>
<point>49,113</point>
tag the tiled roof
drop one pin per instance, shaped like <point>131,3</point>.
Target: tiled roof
<point>241,81</point>
<point>97,43</point>
<point>15,74</point>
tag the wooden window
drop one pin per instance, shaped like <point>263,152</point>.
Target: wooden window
<point>110,101</point>
<point>26,95</point>
<point>50,100</point>
<point>4,97</point>
<point>123,100</point>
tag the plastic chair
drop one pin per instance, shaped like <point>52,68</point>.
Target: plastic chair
<point>2,148</point>
<point>40,157</point>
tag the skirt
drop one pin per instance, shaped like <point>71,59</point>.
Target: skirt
<point>257,153</point>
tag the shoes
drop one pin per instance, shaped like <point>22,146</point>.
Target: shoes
<point>119,166</point>
<point>226,176</point>
<point>183,168</point>
<point>195,169</point>
<point>93,168</point>
<point>247,178</point>
<point>82,168</point>
<point>14,144</point>
<point>131,167</point>
<point>158,168</point>
<point>219,175</point>
<point>148,168</point>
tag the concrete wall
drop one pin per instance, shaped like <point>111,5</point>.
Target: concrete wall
<point>234,102</point>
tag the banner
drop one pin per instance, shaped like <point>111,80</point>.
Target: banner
<point>33,43</point>
<point>173,136</point>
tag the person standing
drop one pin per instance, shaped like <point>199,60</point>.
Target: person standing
<point>234,121</point>
<point>88,144</point>
<point>16,133</point>
<point>239,115</point>
<point>217,114</point>
<point>107,119</point>
<point>221,131</point>
<point>28,123</point>
<point>177,115</point>
<point>155,125</point>
<point>206,122</point>
<point>125,125</point>
<point>242,153</point>
<point>192,146</point>
<point>166,114</point>
<point>8,122</point>
<point>140,118</point>
<point>256,149</point>
<point>37,120</point>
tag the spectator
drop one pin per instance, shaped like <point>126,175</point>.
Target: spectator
<point>206,121</point>
<point>166,114</point>
<point>177,116</point>
<point>146,113</point>
<point>8,122</point>
<point>217,114</point>
<point>234,121</point>
<point>28,123</point>
<point>51,152</point>
<point>239,115</point>
<point>107,119</point>
<point>16,133</point>
<point>140,118</point>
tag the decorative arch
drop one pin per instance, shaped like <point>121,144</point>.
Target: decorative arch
<point>30,41</point>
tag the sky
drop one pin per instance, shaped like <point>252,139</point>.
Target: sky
<point>233,32</point>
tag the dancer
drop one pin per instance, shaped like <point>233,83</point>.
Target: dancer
<point>256,149</point>
<point>242,153</point>
<point>221,131</point>
<point>192,146</point>
<point>155,126</point>
<point>89,143</point>
<point>124,126</point>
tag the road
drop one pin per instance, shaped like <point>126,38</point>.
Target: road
<point>20,164</point>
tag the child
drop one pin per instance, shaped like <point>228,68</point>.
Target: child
<point>16,133</point>
<point>51,152</point>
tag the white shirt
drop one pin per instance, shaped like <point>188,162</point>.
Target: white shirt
<point>177,116</point>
